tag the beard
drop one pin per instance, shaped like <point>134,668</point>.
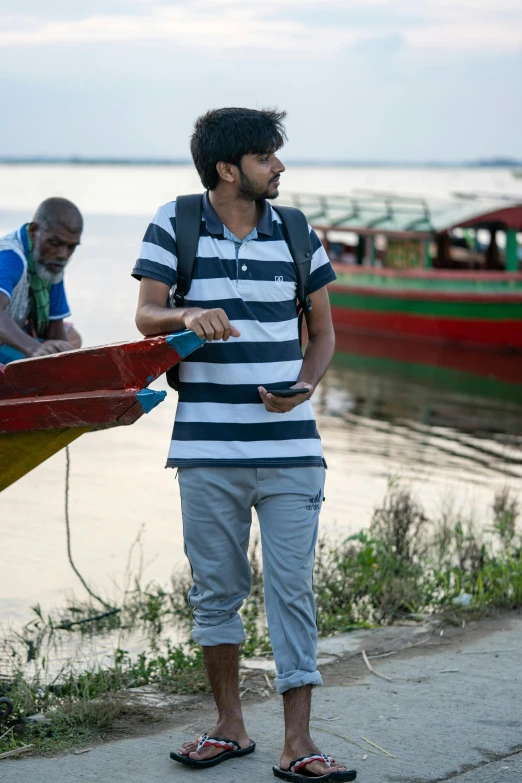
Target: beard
<point>45,275</point>
<point>249,191</point>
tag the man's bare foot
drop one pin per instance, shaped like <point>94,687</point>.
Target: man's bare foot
<point>298,749</point>
<point>233,730</point>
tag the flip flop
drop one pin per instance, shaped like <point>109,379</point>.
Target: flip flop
<point>231,750</point>
<point>297,771</point>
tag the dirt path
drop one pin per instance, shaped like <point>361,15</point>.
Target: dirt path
<point>449,710</point>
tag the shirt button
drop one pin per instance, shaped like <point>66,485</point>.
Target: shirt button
<point>242,247</point>
<point>244,268</point>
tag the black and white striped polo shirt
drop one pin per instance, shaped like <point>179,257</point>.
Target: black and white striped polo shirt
<point>220,419</point>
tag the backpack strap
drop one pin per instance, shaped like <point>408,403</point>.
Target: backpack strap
<point>188,225</point>
<point>297,233</point>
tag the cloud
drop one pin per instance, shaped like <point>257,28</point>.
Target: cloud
<point>285,26</point>
<point>222,27</point>
<point>474,36</point>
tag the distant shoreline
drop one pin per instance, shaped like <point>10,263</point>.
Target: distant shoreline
<point>87,161</point>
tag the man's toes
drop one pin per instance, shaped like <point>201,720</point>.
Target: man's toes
<point>204,754</point>
<point>187,748</point>
<point>318,768</point>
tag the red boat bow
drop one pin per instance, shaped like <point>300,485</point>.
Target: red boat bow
<point>47,402</point>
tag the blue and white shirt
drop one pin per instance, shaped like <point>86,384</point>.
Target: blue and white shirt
<point>14,281</point>
<point>220,418</point>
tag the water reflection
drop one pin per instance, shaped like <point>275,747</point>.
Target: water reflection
<point>447,411</point>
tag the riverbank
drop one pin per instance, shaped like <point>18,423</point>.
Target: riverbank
<point>448,709</point>
<point>403,577</point>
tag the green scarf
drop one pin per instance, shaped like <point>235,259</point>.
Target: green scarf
<point>39,294</point>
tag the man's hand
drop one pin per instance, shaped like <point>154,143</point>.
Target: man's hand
<point>210,324</point>
<point>276,404</point>
<point>51,346</point>
<point>318,354</point>
<point>154,317</point>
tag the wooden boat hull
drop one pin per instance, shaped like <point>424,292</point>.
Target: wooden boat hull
<point>47,402</point>
<point>481,310</point>
<point>20,452</point>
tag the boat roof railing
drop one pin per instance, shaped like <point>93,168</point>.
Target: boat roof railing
<point>376,211</point>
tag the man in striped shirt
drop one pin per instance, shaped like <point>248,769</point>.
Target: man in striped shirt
<point>238,445</point>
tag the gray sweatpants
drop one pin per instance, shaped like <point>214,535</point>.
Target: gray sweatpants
<point>217,507</point>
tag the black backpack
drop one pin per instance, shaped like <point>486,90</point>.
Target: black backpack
<point>188,224</point>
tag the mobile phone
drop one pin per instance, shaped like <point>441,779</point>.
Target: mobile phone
<point>287,392</point>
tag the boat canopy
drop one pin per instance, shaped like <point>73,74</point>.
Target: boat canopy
<point>379,212</point>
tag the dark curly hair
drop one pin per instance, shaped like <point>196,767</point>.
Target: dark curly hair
<point>228,134</point>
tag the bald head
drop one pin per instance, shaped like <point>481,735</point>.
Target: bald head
<point>55,233</point>
<point>59,212</point>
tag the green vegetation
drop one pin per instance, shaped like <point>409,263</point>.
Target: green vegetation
<point>405,566</point>
<point>73,723</point>
<point>81,707</point>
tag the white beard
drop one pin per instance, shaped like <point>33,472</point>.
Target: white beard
<point>50,278</point>
<point>47,277</point>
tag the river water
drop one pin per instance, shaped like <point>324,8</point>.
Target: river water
<point>449,423</point>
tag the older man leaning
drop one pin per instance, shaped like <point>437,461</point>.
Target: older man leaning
<point>33,304</point>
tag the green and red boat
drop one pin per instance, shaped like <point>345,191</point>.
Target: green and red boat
<point>445,272</point>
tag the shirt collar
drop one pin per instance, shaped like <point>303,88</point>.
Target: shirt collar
<point>265,225</point>
<point>24,239</point>
<point>215,226</point>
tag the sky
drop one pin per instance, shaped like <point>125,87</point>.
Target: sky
<point>380,80</point>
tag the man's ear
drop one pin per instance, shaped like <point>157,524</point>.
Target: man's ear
<point>33,229</point>
<point>227,171</point>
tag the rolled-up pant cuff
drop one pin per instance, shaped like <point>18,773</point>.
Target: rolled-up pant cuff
<point>296,679</point>
<point>229,632</point>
